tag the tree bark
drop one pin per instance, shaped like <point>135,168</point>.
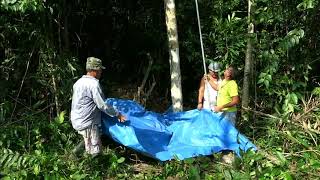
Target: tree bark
<point>174,60</point>
<point>65,25</point>
<point>248,61</point>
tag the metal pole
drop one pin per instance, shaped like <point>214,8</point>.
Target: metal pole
<point>202,51</point>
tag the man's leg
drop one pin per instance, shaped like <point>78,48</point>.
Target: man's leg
<point>228,156</point>
<point>231,116</point>
<point>86,139</point>
<point>95,141</point>
<point>92,140</point>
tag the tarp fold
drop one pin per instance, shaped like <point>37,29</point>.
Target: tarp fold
<point>173,135</point>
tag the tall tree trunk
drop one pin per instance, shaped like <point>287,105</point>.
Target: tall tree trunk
<point>174,60</point>
<point>108,34</point>
<point>248,60</point>
<point>66,12</point>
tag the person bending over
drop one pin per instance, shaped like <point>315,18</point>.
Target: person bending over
<point>87,104</point>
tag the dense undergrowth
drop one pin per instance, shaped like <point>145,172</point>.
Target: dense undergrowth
<point>43,46</point>
<point>287,149</point>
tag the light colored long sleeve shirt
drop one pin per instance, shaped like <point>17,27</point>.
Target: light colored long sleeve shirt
<point>87,103</point>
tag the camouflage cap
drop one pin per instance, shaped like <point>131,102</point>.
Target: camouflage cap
<point>94,64</point>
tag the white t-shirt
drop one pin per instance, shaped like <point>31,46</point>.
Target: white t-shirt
<point>210,95</point>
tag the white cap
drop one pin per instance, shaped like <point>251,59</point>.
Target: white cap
<point>214,66</point>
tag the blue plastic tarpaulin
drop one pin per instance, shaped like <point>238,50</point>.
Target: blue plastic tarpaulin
<point>173,135</point>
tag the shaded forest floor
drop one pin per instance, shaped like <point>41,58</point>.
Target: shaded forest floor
<point>288,149</point>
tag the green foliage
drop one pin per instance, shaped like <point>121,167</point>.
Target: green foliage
<point>291,39</point>
<point>316,91</point>
<point>223,29</point>
<point>21,5</point>
<point>306,4</point>
<point>44,151</point>
<point>8,159</point>
<point>284,75</point>
<point>38,69</point>
<point>228,38</point>
<point>291,100</point>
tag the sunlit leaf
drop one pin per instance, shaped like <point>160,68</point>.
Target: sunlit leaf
<point>36,169</point>
<point>121,160</point>
<point>60,118</point>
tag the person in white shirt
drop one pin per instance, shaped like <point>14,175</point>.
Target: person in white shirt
<point>87,105</point>
<point>209,85</point>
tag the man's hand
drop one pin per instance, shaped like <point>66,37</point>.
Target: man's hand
<point>217,108</point>
<point>122,118</point>
<point>199,107</point>
<point>209,77</point>
<point>206,77</point>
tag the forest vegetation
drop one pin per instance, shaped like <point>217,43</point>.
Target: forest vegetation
<point>274,46</point>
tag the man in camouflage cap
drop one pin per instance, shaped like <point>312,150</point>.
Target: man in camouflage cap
<point>94,64</point>
<point>87,104</point>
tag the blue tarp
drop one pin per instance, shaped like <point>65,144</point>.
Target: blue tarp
<point>173,135</point>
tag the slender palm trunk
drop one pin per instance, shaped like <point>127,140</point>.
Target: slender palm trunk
<point>248,61</point>
<point>174,60</point>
